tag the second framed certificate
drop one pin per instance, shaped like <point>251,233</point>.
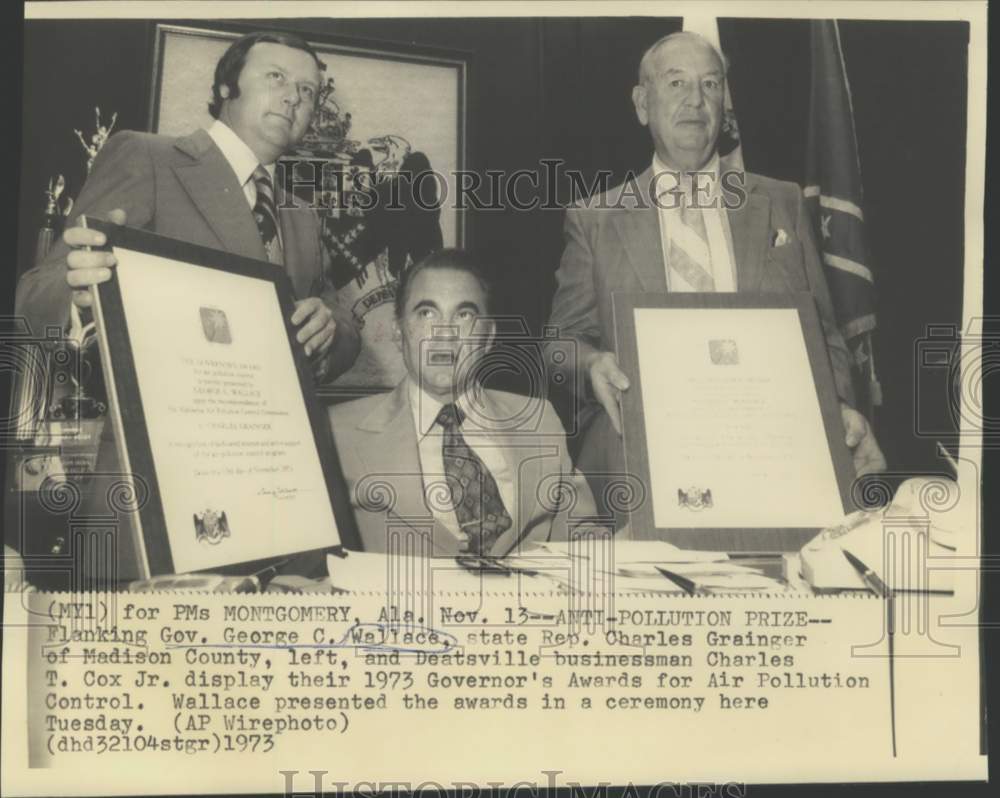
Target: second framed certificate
<point>217,425</point>
<point>733,421</point>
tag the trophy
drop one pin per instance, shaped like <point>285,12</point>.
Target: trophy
<point>98,138</point>
<point>51,221</point>
<point>60,409</point>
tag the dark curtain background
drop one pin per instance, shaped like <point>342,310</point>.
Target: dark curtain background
<point>560,88</point>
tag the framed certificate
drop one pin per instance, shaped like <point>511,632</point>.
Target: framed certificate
<point>733,421</point>
<point>222,440</point>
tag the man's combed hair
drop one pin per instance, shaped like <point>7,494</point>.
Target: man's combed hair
<point>458,260</point>
<point>680,34</point>
<point>227,71</point>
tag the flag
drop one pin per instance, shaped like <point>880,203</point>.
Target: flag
<point>729,137</point>
<point>835,198</point>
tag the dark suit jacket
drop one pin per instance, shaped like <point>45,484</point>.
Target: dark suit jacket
<point>377,445</point>
<point>184,188</point>
<point>613,244</point>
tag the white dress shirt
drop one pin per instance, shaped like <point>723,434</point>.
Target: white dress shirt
<point>430,441</point>
<point>240,158</point>
<point>720,240</point>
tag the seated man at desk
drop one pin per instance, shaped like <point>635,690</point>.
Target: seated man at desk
<point>479,470</point>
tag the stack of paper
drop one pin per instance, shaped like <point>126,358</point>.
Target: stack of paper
<point>366,572</point>
<point>638,566</point>
<point>632,566</point>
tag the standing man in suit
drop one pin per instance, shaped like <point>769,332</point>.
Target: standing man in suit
<point>481,470</point>
<point>688,223</point>
<point>215,188</point>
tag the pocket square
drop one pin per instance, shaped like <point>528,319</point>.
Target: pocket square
<point>780,238</point>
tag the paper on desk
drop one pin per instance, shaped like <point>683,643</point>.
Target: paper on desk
<point>450,577</point>
<point>293,583</point>
<point>736,580</point>
<point>692,570</point>
<point>539,563</point>
<point>376,572</point>
<point>359,571</point>
<point>658,551</point>
<point>695,569</point>
<point>646,578</point>
<point>646,584</point>
<point>368,572</point>
<point>639,551</point>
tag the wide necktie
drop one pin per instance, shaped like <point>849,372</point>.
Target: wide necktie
<point>475,495</point>
<point>266,215</point>
<point>689,254</point>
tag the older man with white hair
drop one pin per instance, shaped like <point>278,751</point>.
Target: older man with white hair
<point>690,222</point>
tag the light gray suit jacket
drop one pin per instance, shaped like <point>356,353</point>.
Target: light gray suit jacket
<point>377,444</point>
<point>613,244</point>
<point>185,188</point>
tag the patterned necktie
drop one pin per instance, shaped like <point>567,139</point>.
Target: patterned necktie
<point>689,253</point>
<point>475,496</point>
<point>266,215</point>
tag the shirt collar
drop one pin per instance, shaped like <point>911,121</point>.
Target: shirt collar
<point>236,152</point>
<point>425,408</point>
<point>666,178</point>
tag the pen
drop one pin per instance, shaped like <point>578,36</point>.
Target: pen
<point>947,456</point>
<point>491,565</point>
<point>685,584</point>
<point>890,611</point>
<point>878,587</point>
<point>482,565</point>
<point>868,576</point>
<point>265,575</point>
<point>514,569</point>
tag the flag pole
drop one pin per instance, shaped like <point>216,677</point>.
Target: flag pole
<point>835,197</point>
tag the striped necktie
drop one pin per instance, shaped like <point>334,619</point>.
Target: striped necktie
<point>266,215</point>
<point>689,254</point>
<point>475,496</point>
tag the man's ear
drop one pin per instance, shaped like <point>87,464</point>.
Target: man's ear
<point>224,91</point>
<point>397,334</point>
<point>639,101</point>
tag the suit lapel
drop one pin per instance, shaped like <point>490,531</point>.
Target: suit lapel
<point>390,448</point>
<point>393,451</point>
<point>750,226</point>
<point>294,254</point>
<point>639,230</point>
<point>211,183</point>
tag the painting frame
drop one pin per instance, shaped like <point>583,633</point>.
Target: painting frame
<point>458,60</point>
